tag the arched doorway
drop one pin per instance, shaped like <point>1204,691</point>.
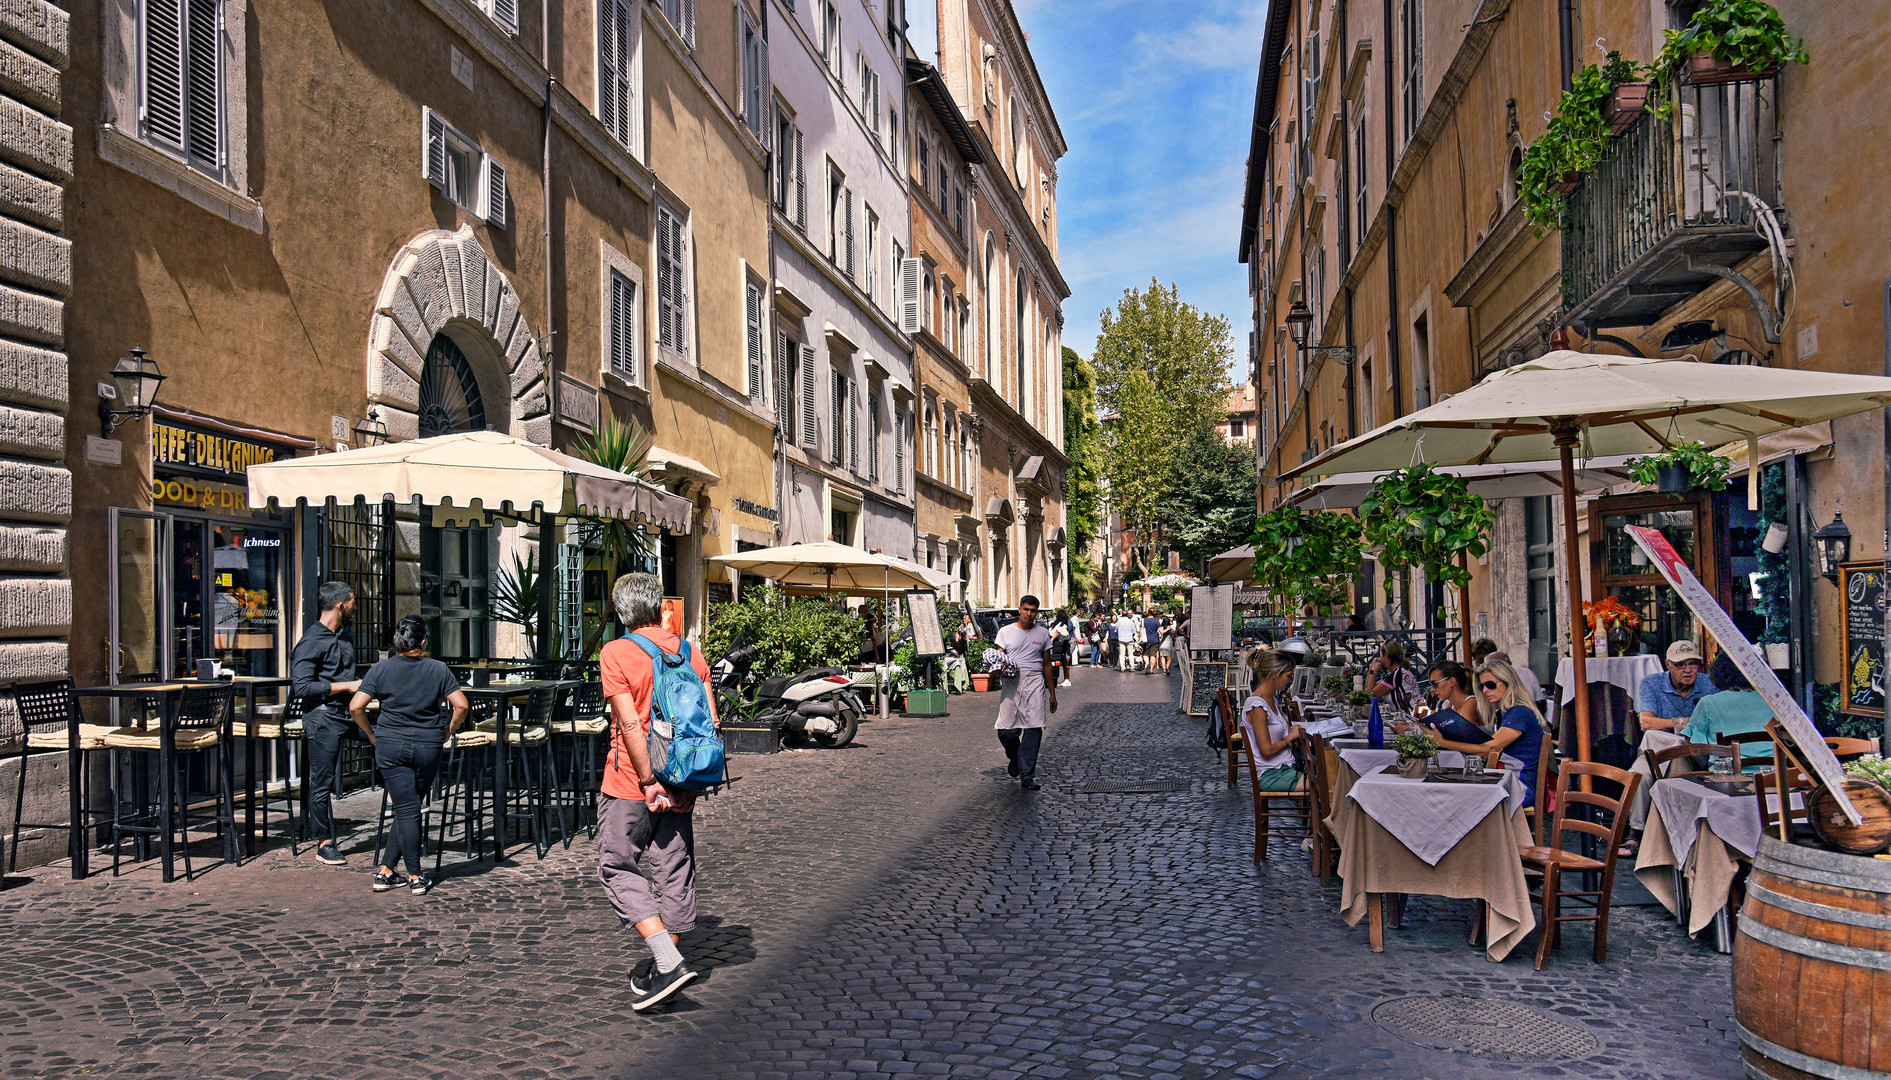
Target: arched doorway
<point>449,392</point>
<point>454,561</point>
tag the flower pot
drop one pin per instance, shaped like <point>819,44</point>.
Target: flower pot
<point>1568,184</point>
<point>1414,768</point>
<point>1775,541</point>
<point>1672,480</point>
<point>1779,655</point>
<point>1628,104</point>
<point>981,682</point>
<point>1704,69</point>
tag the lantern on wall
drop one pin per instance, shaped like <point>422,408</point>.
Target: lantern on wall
<point>1835,546</point>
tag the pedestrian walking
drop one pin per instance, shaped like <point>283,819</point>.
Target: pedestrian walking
<point>1165,648</point>
<point>322,676</point>
<point>1127,627</point>
<point>1027,687</point>
<point>644,826</point>
<point>1151,639</point>
<point>415,692</point>
<point>1099,640</point>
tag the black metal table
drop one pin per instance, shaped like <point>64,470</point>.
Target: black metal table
<point>503,693</point>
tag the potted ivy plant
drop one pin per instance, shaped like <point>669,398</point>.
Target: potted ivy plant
<point>1728,41</point>
<point>1680,469</point>
<point>1588,115</point>
<point>1420,517</point>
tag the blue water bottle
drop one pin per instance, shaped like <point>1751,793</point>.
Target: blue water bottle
<point>1375,727</point>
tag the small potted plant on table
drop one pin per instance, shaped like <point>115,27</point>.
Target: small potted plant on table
<point>1415,750</point>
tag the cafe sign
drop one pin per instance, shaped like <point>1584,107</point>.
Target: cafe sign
<point>211,455</point>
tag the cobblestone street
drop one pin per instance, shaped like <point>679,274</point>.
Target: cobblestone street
<point>893,908</point>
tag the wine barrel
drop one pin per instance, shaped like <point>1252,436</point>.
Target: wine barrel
<point>1810,961</point>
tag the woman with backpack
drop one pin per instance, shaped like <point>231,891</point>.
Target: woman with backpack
<point>415,692</point>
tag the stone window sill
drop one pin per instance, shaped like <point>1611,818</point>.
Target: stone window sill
<point>134,155</point>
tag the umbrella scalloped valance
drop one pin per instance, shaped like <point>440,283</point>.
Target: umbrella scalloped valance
<point>466,477</point>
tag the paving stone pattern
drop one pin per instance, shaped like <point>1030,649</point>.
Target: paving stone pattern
<point>891,909</point>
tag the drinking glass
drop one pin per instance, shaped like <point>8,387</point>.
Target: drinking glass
<point>1474,765</point>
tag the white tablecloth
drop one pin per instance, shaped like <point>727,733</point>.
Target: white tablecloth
<point>1684,804</point>
<point>1430,819</point>
<point>1657,740</point>
<point>1626,672</point>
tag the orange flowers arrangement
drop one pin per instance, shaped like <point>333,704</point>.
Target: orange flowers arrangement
<point>1608,613</point>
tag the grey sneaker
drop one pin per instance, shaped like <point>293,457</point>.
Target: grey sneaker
<point>331,856</point>
<point>420,885</point>
<point>663,985</point>
<point>385,882</point>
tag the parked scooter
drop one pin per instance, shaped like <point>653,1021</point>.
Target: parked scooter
<point>816,707</point>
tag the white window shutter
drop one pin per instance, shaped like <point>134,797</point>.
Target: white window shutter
<point>853,426</point>
<point>164,74</point>
<point>899,450</point>
<point>203,98</point>
<point>492,190</point>
<point>837,417</point>
<point>666,332</point>
<point>753,298</point>
<point>506,14</point>
<point>873,438</point>
<point>784,394</point>
<point>910,276</point>
<point>432,147</point>
<point>765,123</point>
<point>810,438</point>
<point>689,23</point>
<point>800,182</point>
<point>847,197</point>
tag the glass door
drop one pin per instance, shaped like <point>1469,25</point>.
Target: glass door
<point>453,581</point>
<point>245,596</point>
<point>140,542</point>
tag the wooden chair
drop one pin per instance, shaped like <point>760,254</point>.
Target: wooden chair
<point>1850,748</point>
<point>1237,742</point>
<point>1787,820</point>
<point>1741,739</point>
<point>1538,811</point>
<point>1660,762</point>
<point>1320,759</point>
<point>1307,800</point>
<point>1553,861</point>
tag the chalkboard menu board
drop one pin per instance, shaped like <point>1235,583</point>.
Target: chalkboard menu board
<point>1206,679</point>
<point>1862,589</point>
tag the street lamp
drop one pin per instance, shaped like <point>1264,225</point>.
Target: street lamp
<point>1299,323</point>
<point>372,430</point>
<point>137,377</point>
<point>1835,546</point>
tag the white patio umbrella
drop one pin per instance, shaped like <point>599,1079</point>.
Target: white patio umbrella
<point>1234,564</point>
<point>830,567</point>
<point>1521,480</point>
<point>1606,406</point>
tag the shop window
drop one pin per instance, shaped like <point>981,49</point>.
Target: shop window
<point>1621,569</point>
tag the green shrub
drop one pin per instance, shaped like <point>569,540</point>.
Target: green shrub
<point>789,633</point>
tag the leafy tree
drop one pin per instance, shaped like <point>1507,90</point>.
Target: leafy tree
<point>1082,446</point>
<point>1209,506</point>
<point>789,633</point>
<point>1159,365</point>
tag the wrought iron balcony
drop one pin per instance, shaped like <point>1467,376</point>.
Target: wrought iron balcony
<point>1674,207</point>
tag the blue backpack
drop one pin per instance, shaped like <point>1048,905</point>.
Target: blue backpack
<point>689,757</point>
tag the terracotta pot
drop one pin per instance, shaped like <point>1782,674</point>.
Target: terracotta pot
<point>981,682</point>
<point>1703,69</point>
<point>1628,104</point>
<point>1568,184</point>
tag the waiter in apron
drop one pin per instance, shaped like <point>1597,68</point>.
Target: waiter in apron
<point>1027,688</point>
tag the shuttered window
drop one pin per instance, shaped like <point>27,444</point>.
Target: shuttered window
<point>871,256</point>
<point>800,183</point>
<point>682,15</point>
<point>910,272</point>
<point>851,265</point>
<point>617,104</point>
<point>810,435</point>
<point>837,420</point>
<point>873,433</point>
<point>182,79</point>
<point>899,449</point>
<point>503,12</point>
<point>757,345</point>
<point>621,329</point>
<point>784,385</point>
<point>1412,68</point>
<point>755,95</point>
<point>853,426</point>
<point>672,280</point>
<point>470,177</point>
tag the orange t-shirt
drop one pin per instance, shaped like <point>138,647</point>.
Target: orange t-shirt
<point>625,669</point>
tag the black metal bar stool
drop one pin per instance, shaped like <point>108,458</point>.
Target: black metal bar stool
<point>49,720</point>
<point>582,731</point>
<point>199,725</point>
<point>464,787</point>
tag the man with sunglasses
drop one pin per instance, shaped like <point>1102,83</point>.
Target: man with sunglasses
<point>1666,699</point>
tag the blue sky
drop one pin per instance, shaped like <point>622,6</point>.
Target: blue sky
<point>1155,98</point>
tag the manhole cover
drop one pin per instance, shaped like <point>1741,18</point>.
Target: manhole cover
<point>1134,787</point>
<point>1479,1025</point>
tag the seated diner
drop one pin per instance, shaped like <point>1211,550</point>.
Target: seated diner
<point>1270,735</point>
<point>1455,724</point>
<point>1519,729</point>
<point>1735,709</point>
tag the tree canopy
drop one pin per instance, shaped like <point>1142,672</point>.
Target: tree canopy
<point>1209,506</point>
<point>1081,446</point>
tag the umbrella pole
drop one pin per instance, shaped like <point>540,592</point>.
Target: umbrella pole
<point>1464,606</point>
<point>1566,436</point>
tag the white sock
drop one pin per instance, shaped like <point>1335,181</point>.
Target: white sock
<point>668,957</point>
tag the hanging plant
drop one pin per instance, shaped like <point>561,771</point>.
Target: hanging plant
<point>1728,40</point>
<point>1681,469</point>
<point>1421,517</point>
<point>1577,138</point>
<point>1774,603</point>
<point>1307,558</point>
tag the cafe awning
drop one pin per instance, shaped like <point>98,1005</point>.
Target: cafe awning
<point>467,476</point>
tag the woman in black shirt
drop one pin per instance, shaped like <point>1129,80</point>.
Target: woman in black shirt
<point>414,690</point>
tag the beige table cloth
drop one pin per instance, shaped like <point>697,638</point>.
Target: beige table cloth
<point>1484,865</point>
<point>1709,871</point>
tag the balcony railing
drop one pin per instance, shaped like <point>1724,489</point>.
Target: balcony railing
<point>1673,198</point>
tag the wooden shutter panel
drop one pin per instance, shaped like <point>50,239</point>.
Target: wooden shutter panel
<point>784,394</point>
<point>493,191</point>
<point>910,283</point>
<point>623,329</point>
<point>432,147</point>
<point>853,425</point>
<point>847,197</point>
<point>689,23</point>
<point>899,450</point>
<point>679,274</point>
<point>753,296</point>
<point>666,331</point>
<point>164,76</point>
<point>810,437</point>
<point>800,183</point>
<point>506,14</point>
<point>765,122</point>
<point>837,417</point>
<point>203,96</point>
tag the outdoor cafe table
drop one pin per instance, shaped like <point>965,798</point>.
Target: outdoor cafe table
<point>1705,834</point>
<point>1405,836</point>
<point>503,693</point>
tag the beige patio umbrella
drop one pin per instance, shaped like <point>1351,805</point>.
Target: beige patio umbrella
<point>1604,406</point>
<point>1234,564</point>
<point>828,566</point>
<point>1521,480</point>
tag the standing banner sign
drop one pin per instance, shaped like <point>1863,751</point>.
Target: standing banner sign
<point>1211,618</point>
<point>1751,662</point>
<point>923,607</point>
